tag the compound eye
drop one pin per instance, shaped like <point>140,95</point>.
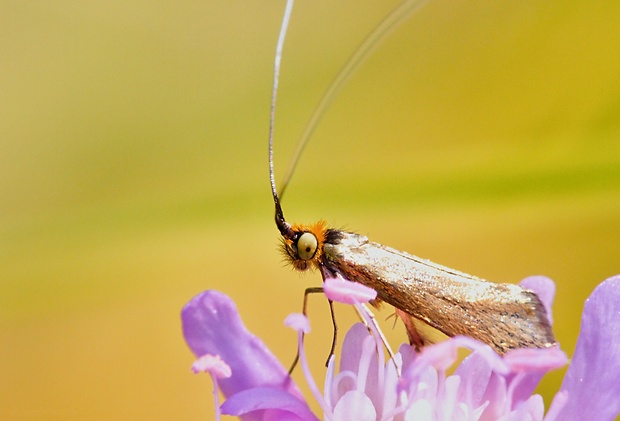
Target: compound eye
<point>306,246</point>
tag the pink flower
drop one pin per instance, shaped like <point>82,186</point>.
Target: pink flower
<point>414,386</point>
<point>258,387</point>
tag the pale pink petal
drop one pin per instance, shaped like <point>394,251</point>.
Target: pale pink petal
<point>354,406</point>
<point>347,292</point>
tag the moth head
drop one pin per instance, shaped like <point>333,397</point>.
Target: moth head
<point>304,248</point>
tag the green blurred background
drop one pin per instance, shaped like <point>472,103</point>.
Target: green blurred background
<point>133,174</point>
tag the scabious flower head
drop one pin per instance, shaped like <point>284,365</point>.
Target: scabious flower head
<point>412,385</point>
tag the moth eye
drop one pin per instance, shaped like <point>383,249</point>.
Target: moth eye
<point>306,246</point>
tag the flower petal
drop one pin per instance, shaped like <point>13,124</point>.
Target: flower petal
<point>475,372</point>
<point>359,367</point>
<point>347,292</point>
<point>211,325</point>
<point>528,366</point>
<point>421,410</point>
<point>355,405</point>
<point>352,347</point>
<point>532,409</point>
<point>558,402</point>
<point>280,404</point>
<point>592,380</point>
<point>535,359</point>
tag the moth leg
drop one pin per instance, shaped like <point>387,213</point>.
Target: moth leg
<point>326,273</point>
<point>415,339</point>
<point>308,291</point>
<point>335,337</point>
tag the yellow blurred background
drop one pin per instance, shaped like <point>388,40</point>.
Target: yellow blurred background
<point>133,175</point>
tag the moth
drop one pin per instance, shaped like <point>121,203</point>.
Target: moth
<point>504,316</point>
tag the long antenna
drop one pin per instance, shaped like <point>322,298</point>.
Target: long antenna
<point>378,34</point>
<point>283,226</point>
